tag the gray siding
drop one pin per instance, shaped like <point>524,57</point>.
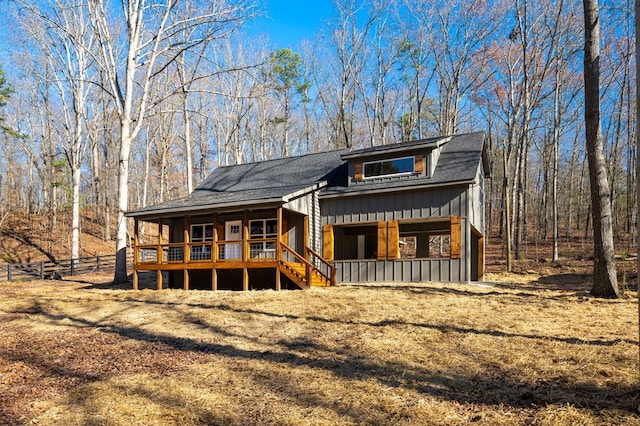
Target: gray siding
<point>406,270</point>
<point>476,199</point>
<point>309,205</point>
<point>315,224</point>
<point>295,225</point>
<point>301,204</point>
<point>417,204</point>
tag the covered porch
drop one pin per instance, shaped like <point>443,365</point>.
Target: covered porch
<point>233,245</point>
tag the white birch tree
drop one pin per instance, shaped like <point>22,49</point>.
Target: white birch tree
<point>155,34</point>
<point>62,30</point>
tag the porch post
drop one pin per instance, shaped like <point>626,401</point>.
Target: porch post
<point>135,253</point>
<point>279,233</point>
<point>245,279</point>
<point>306,249</point>
<point>159,255</point>
<point>245,236</point>
<point>186,256</point>
<point>160,226</point>
<point>245,250</point>
<point>278,248</point>
<point>214,254</point>
<point>214,249</point>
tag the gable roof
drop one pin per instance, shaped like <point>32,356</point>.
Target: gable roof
<point>264,182</point>
<point>458,163</point>
<point>398,147</point>
<point>275,182</point>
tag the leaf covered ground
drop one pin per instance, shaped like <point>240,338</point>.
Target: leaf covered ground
<point>520,350</point>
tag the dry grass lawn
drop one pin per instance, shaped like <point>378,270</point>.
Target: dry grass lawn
<point>522,351</point>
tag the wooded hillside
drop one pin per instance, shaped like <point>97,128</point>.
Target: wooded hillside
<point>155,95</point>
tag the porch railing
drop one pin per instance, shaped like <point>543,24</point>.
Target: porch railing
<point>251,250</point>
<point>255,249</point>
<point>290,255</point>
<point>324,267</point>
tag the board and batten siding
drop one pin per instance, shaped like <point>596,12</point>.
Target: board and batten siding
<point>309,204</point>
<point>402,205</point>
<point>416,204</point>
<point>476,199</point>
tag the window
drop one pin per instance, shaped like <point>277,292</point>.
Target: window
<point>263,229</point>
<point>396,166</point>
<point>201,233</point>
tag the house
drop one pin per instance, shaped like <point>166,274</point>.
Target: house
<point>406,212</point>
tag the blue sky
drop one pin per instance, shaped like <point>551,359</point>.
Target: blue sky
<point>289,21</point>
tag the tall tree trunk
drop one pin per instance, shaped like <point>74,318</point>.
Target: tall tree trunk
<point>605,282</point>
<point>507,212</point>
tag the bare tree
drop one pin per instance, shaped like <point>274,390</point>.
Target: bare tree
<point>63,32</point>
<point>605,282</point>
<point>151,29</point>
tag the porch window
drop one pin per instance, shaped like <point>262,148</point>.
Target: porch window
<point>391,240</point>
<point>351,242</point>
<point>393,167</point>
<point>267,231</point>
<point>430,239</point>
<point>201,233</point>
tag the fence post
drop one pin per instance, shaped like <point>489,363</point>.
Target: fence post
<point>42,270</point>
<point>9,272</point>
<point>73,266</point>
<point>98,263</point>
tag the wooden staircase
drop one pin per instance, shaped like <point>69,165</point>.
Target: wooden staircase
<point>297,272</point>
<point>304,273</point>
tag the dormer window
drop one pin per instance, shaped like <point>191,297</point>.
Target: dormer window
<point>392,167</point>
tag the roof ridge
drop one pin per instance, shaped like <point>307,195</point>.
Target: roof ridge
<point>280,159</point>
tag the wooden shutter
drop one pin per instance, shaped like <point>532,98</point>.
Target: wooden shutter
<point>358,171</point>
<point>327,248</point>
<point>382,240</point>
<point>393,240</point>
<point>455,237</point>
<point>419,164</point>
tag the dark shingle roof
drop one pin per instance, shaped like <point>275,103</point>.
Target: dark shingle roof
<point>275,181</point>
<point>458,162</point>
<point>396,147</point>
<point>262,182</point>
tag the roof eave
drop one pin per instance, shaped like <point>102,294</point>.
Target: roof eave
<point>204,207</point>
<point>394,148</point>
<point>226,206</point>
<point>365,191</point>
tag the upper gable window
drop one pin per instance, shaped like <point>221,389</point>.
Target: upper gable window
<point>396,166</point>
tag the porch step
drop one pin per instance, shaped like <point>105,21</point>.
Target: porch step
<point>294,275</point>
<point>299,269</point>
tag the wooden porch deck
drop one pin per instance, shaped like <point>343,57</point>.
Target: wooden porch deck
<point>304,270</point>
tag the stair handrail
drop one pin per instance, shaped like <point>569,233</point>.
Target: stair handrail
<point>331,266</point>
<point>308,264</point>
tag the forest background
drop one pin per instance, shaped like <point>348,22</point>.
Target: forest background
<point>113,107</point>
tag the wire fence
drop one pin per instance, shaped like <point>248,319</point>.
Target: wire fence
<point>44,270</point>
